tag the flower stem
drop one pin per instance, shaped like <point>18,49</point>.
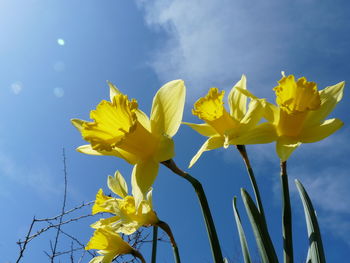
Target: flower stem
<point>242,150</point>
<point>213,238</point>
<point>138,255</point>
<point>165,227</point>
<point>154,244</point>
<point>286,217</point>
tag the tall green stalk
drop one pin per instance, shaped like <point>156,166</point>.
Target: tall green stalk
<point>286,217</point>
<point>154,244</point>
<point>213,238</point>
<point>242,150</point>
<point>165,227</point>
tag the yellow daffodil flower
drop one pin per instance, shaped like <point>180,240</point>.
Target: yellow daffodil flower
<point>110,245</point>
<point>120,129</point>
<point>127,217</point>
<point>237,127</point>
<point>301,112</point>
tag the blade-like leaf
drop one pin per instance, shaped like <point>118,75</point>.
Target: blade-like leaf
<point>242,237</point>
<point>262,237</point>
<point>316,253</point>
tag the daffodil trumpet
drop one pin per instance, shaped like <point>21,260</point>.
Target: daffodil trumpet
<point>119,128</point>
<point>208,219</point>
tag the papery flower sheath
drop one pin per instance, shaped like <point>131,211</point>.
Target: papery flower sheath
<point>120,129</point>
<point>110,245</point>
<point>237,127</point>
<point>127,217</point>
<point>299,116</point>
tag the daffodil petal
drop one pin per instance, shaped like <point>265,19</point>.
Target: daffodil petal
<point>143,119</point>
<point>87,149</point>
<point>246,93</point>
<point>142,178</point>
<point>112,90</point>
<point>149,198</point>
<point>105,222</point>
<point>167,108</point>
<point>271,113</point>
<point>210,144</point>
<point>253,115</point>
<point>203,128</point>
<point>78,124</point>
<point>263,133</point>
<point>97,259</point>
<point>166,149</point>
<point>237,100</point>
<point>319,132</point>
<point>117,184</point>
<point>329,96</point>
<point>285,146</point>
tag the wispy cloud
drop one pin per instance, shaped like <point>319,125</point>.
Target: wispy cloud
<point>37,178</point>
<point>214,42</point>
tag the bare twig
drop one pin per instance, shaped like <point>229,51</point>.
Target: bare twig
<point>63,206</point>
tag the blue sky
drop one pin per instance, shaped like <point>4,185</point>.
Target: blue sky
<point>139,46</point>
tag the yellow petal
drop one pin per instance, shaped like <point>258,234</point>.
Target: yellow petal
<point>97,259</point>
<point>272,113</point>
<point>285,146</point>
<point>167,108</point>
<point>105,222</point>
<point>211,144</point>
<point>237,100</point>
<point>263,133</point>
<point>143,119</point>
<point>165,149</point>
<point>130,158</point>
<point>112,90</point>
<point>203,129</point>
<point>319,132</point>
<point>104,203</point>
<point>142,178</point>
<point>78,124</point>
<point>329,96</point>
<point>254,114</point>
<point>117,184</point>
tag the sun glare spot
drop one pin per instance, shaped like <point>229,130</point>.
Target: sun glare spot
<point>58,92</point>
<point>60,41</point>
<point>16,87</point>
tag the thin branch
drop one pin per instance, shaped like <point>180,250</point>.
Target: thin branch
<point>63,206</point>
<point>22,248</point>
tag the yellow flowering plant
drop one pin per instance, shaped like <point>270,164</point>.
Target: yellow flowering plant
<point>300,114</point>
<point>120,129</point>
<point>127,217</point>
<point>239,126</point>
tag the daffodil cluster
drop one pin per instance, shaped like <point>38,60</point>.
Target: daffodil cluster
<point>299,116</point>
<point>126,219</point>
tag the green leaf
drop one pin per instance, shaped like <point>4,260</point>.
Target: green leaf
<point>242,237</point>
<point>262,237</point>
<point>315,253</point>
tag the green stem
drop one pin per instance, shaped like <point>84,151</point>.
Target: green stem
<point>244,154</point>
<point>286,217</point>
<point>154,244</point>
<point>138,255</point>
<point>213,238</point>
<point>165,227</point>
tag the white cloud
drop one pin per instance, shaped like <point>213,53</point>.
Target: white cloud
<point>213,42</point>
<point>38,178</point>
